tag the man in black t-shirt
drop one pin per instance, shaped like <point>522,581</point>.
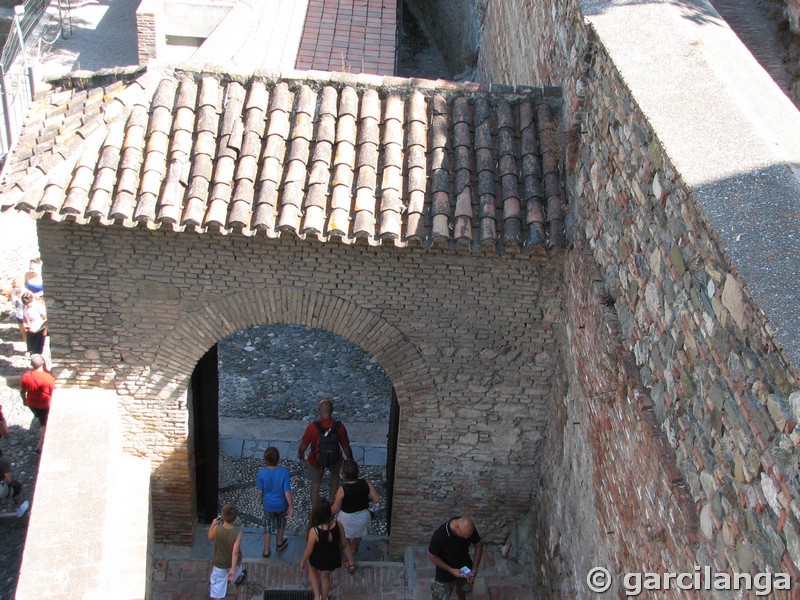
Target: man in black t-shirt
<point>449,551</point>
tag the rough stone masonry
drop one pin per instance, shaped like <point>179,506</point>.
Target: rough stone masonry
<point>678,408</point>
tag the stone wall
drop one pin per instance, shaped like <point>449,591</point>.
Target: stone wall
<point>469,342</point>
<point>700,381</point>
<point>526,41</point>
<point>610,492</point>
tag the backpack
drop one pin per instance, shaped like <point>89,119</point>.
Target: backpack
<point>328,446</point>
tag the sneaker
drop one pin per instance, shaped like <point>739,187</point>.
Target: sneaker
<point>23,508</point>
<point>242,577</point>
<point>282,545</point>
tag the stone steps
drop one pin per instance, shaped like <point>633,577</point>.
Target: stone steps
<point>187,577</point>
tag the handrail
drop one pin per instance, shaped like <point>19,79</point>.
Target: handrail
<point>29,19</point>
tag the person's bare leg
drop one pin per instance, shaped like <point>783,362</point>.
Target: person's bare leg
<point>281,535</point>
<point>460,594</point>
<point>41,437</point>
<point>334,483</point>
<point>313,578</point>
<point>326,584</point>
<point>267,542</point>
<point>314,495</point>
<point>355,542</point>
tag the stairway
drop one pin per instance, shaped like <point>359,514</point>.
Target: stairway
<point>409,579</point>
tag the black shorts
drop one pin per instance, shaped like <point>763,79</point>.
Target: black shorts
<point>41,414</point>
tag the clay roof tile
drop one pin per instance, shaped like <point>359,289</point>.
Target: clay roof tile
<point>360,158</point>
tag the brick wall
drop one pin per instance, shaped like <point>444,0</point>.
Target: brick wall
<point>719,398</point>
<point>150,30</point>
<point>527,41</point>
<point>468,340</point>
<point>612,488</point>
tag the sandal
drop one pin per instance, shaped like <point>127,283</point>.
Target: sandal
<point>282,545</point>
<point>266,554</point>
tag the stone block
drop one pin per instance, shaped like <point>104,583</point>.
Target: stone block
<point>232,446</point>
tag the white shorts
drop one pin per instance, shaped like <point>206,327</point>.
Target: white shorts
<point>355,524</point>
<point>219,580</point>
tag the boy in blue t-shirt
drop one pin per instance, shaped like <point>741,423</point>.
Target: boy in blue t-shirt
<point>275,493</point>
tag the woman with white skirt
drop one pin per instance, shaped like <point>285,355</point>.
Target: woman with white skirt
<point>352,503</point>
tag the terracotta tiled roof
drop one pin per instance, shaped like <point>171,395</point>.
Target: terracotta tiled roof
<point>388,160</point>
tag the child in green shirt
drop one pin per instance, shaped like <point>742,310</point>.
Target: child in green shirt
<point>227,562</point>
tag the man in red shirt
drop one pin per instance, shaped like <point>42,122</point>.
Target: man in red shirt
<point>36,387</point>
<point>315,470</point>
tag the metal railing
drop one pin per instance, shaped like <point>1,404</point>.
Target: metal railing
<point>34,9</point>
<point>16,74</point>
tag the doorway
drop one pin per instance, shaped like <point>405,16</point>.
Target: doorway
<point>261,386</point>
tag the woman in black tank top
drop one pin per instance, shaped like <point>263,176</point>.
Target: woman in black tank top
<point>324,546</point>
<point>352,503</point>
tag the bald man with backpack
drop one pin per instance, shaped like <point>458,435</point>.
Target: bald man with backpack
<point>326,438</point>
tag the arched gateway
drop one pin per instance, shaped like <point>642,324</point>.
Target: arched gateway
<point>400,359</point>
<point>418,220</point>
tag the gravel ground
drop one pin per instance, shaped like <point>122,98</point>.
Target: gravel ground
<point>237,485</point>
<point>281,372</point>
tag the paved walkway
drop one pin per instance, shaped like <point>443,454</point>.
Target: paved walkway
<point>97,35</point>
<point>326,35</point>
<point>346,35</point>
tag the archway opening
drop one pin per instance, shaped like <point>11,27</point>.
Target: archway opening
<point>260,387</point>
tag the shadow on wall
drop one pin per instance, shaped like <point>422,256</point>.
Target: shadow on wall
<point>454,26</point>
<point>173,498</point>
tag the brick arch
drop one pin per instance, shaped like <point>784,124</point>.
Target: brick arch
<point>204,325</point>
<point>200,329</point>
